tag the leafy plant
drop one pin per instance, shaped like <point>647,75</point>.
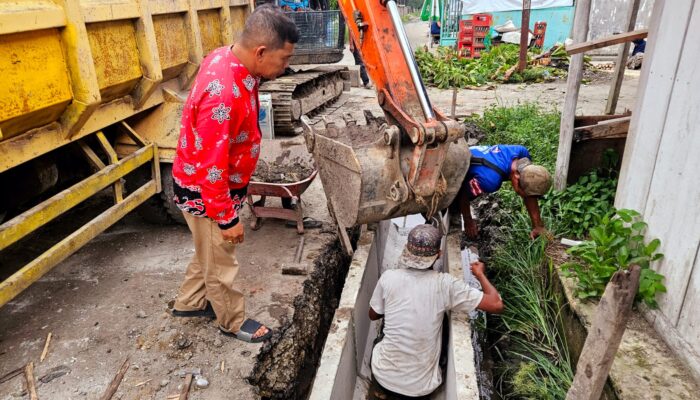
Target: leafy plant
<point>446,69</point>
<point>615,244</point>
<point>583,205</point>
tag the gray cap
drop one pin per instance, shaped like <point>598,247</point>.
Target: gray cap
<point>422,248</point>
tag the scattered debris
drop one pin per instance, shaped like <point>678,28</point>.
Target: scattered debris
<point>114,385</point>
<point>222,366</point>
<point>188,371</point>
<point>183,342</point>
<point>142,383</point>
<point>31,383</point>
<point>11,374</point>
<point>46,347</point>
<point>164,382</point>
<point>141,314</point>
<point>294,269</point>
<point>55,373</point>
<point>201,382</point>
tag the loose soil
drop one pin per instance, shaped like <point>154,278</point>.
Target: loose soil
<point>287,364</point>
<point>290,171</point>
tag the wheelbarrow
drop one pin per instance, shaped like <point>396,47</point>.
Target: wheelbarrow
<point>280,151</point>
<point>283,190</point>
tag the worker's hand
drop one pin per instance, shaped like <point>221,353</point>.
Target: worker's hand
<point>471,229</point>
<point>537,231</point>
<point>234,235</point>
<point>478,268</point>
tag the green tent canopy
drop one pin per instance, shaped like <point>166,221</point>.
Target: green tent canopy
<point>431,10</point>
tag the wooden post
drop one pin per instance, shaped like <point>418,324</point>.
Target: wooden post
<point>524,36</point>
<point>621,61</point>
<point>605,335</point>
<point>573,83</point>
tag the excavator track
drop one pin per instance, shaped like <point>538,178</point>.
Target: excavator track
<point>303,93</point>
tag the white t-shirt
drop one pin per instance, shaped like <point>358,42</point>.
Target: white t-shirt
<point>413,303</point>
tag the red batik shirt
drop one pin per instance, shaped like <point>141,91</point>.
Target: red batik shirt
<point>219,140</point>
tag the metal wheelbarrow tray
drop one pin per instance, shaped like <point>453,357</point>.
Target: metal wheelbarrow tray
<point>280,151</point>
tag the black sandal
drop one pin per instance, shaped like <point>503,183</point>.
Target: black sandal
<point>208,312</point>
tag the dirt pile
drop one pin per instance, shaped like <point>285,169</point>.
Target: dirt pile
<point>287,364</point>
<point>288,172</point>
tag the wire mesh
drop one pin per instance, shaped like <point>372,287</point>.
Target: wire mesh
<point>319,30</point>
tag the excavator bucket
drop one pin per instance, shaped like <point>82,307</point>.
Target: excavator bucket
<point>363,169</point>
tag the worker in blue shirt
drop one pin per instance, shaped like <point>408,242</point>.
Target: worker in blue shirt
<point>489,167</point>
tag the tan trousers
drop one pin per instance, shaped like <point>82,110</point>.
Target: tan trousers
<point>210,275</point>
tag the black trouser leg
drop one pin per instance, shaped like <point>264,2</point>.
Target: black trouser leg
<point>363,70</point>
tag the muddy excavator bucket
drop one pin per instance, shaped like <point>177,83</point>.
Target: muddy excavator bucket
<point>363,169</point>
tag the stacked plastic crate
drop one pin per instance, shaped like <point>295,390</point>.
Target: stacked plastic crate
<point>472,33</point>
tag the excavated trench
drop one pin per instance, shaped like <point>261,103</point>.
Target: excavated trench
<point>287,364</point>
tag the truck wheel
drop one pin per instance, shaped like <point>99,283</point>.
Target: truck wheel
<point>160,208</point>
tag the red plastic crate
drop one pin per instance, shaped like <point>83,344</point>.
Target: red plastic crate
<point>465,24</point>
<point>482,20</point>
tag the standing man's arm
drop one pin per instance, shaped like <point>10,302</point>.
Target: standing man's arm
<point>215,120</point>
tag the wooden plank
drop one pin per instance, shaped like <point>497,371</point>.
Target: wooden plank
<point>610,129</point>
<point>649,114</point>
<point>674,195</point>
<point>573,84</point>
<point>583,120</point>
<point>578,48</point>
<point>185,391</point>
<point>116,381</point>
<point>605,335</point>
<point>621,61</point>
<point>31,383</point>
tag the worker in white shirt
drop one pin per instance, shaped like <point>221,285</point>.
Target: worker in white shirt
<point>412,300</point>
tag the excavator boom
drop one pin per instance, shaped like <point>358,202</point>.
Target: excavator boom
<point>411,166</point>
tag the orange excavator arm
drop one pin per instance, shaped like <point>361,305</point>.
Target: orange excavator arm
<point>411,167</point>
<point>376,28</point>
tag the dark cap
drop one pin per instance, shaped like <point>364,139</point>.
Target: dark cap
<point>422,247</point>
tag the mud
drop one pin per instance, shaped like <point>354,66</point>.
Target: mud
<point>287,363</point>
<point>290,171</point>
<point>353,130</point>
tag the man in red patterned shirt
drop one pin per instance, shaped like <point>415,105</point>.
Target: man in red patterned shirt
<point>217,152</point>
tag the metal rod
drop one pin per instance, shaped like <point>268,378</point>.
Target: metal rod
<point>410,60</point>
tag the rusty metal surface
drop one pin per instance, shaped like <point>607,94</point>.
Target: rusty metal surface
<point>210,29</point>
<point>35,85</point>
<point>238,17</point>
<point>116,57</point>
<point>373,167</point>
<point>171,34</point>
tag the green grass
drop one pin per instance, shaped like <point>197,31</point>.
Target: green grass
<point>534,358</point>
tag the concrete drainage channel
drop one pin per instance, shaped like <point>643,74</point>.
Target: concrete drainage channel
<point>343,371</point>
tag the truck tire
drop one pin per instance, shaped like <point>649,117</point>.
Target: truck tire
<point>160,208</point>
